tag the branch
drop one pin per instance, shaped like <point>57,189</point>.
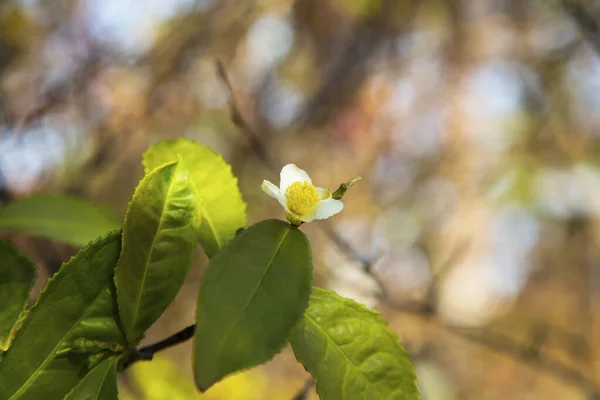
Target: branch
<point>500,343</point>
<point>260,149</point>
<point>238,119</point>
<point>59,95</point>
<point>147,353</point>
<point>588,26</point>
<point>522,353</point>
<point>304,390</point>
<point>495,342</point>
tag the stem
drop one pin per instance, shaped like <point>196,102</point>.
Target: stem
<point>339,193</point>
<point>147,353</point>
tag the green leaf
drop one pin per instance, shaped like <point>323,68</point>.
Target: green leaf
<point>17,275</point>
<point>98,384</point>
<point>223,210</point>
<point>159,244</point>
<point>251,295</point>
<point>77,304</point>
<point>62,218</point>
<point>351,352</point>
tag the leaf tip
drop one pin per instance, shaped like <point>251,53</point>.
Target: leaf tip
<point>204,384</point>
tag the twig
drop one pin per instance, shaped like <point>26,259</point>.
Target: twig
<point>273,164</point>
<point>147,353</point>
<point>304,390</point>
<point>59,95</point>
<point>589,27</point>
<point>523,353</point>
<point>238,119</point>
<point>492,341</point>
<point>499,343</point>
<point>342,244</point>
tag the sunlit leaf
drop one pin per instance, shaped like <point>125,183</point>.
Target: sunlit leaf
<point>362,9</point>
<point>17,275</point>
<point>98,384</point>
<point>61,218</point>
<point>223,210</point>
<point>159,243</point>
<point>161,379</point>
<point>351,352</point>
<point>75,306</point>
<point>251,295</point>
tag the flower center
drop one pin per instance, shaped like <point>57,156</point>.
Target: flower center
<point>301,196</point>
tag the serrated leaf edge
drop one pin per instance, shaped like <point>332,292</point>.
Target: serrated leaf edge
<point>201,205</point>
<point>361,308</point>
<point>134,341</point>
<point>284,342</point>
<point>114,361</point>
<point>24,311</point>
<point>52,354</point>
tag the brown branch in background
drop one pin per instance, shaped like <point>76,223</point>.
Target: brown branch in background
<point>492,341</point>
<point>192,36</point>
<point>347,59</point>
<point>238,119</point>
<point>261,151</point>
<point>346,247</point>
<point>527,354</point>
<point>305,390</point>
<point>59,95</point>
<point>588,26</point>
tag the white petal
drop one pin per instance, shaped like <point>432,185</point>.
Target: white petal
<point>327,208</point>
<point>274,192</point>
<point>323,193</point>
<point>290,174</point>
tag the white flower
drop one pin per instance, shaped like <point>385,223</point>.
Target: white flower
<point>302,201</point>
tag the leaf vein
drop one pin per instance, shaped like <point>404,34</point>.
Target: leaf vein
<point>211,226</point>
<point>147,263</point>
<point>335,346</point>
<point>50,357</point>
<point>97,396</point>
<point>262,277</point>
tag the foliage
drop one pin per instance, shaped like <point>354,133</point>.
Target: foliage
<point>265,275</point>
<point>62,218</point>
<point>98,384</point>
<point>252,300</point>
<point>351,352</point>
<point>159,244</point>
<point>74,317</point>
<point>162,379</point>
<point>222,208</point>
<point>17,275</point>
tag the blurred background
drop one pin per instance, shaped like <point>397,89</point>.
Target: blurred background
<point>475,125</point>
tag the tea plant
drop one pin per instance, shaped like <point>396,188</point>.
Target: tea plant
<point>255,296</point>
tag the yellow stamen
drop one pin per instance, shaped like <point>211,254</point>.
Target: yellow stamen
<point>301,197</point>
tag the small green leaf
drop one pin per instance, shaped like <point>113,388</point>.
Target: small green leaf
<point>251,295</point>
<point>223,210</point>
<point>17,275</point>
<point>76,304</point>
<point>351,352</point>
<point>159,243</point>
<point>98,384</point>
<point>62,218</point>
